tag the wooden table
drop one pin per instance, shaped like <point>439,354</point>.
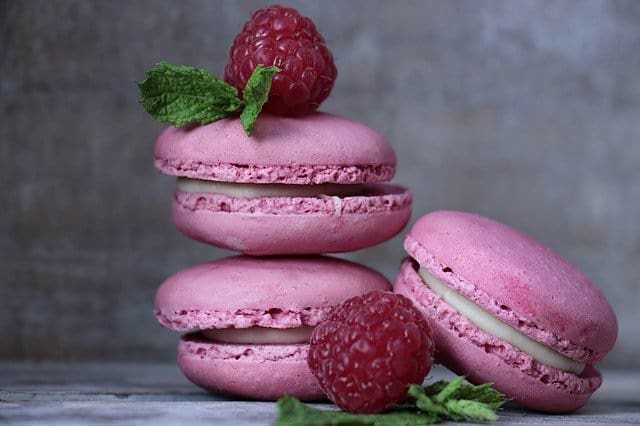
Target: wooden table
<point>133,394</point>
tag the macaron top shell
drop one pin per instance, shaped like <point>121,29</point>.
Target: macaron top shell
<point>316,148</point>
<point>517,279</point>
<point>243,291</point>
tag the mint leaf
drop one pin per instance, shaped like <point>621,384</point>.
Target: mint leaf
<point>255,94</point>
<point>449,391</point>
<point>458,401</point>
<point>181,95</point>
<point>464,409</point>
<point>425,403</point>
<point>482,393</point>
<point>434,387</point>
<point>438,402</point>
<point>292,412</point>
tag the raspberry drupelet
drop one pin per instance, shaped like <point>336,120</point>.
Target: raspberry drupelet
<point>282,37</point>
<point>369,349</point>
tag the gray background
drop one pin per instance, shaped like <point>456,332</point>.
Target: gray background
<point>528,112</point>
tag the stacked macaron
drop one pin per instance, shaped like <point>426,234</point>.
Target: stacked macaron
<point>249,319</point>
<point>303,185</point>
<point>306,185</point>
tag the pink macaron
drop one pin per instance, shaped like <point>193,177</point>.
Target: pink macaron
<point>304,185</point>
<point>249,320</point>
<point>506,309</point>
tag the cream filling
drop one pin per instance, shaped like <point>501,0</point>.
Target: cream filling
<point>254,190</point>
<point>260,335</point>
<point>492,325</point>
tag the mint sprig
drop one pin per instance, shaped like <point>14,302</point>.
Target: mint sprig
<point>292,412</point>
<point>435,403</point>
<point>181,95</point>
<point>458,401</point>
<point>443,391</point>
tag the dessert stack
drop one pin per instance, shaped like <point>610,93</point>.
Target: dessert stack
<point>260,172</point>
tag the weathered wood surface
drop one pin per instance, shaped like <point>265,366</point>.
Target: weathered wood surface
<point>132,394</point>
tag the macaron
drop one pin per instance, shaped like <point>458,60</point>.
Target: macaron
<point>508,310</point>
<point>304,185</point>
<point>249,319</point>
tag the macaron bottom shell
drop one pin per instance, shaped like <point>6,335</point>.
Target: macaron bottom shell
<point>258,372</point>
<point>288,225</point>
<point>467,350</point>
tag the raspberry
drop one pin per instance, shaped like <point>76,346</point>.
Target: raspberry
<point>282,37</point>
<point>369,349</point>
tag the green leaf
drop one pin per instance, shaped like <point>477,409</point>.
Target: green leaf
<point>425,403</point>
<point>464,409</point>
<point>434,387</point>
<point>181,95</point>
<point>459,401</point>
<point>438,402</point>
<point>292,412</point>
<point>484,393</point>
<point>255,94</point>
<point>449,391</point>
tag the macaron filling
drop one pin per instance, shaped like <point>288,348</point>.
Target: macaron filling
<point>490,324</point>
<point>253,190</point>
<point>259,335</point>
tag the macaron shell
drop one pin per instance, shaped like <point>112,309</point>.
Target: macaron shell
<point>517,279</point>
<point>278,292</point>
<point>264,372</point>
<point>316,148</point>
<point>281,225</point>
<point>482,358</point>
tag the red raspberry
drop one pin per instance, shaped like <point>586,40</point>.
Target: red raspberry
<point>282,37</point>
<point>369,349</point>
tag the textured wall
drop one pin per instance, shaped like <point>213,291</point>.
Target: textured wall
<point>528,112</point>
